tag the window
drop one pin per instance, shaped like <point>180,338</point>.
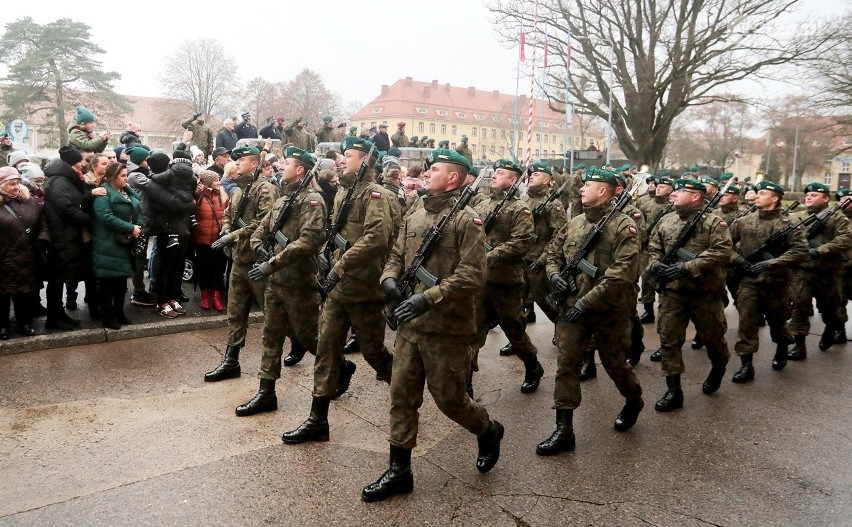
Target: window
<point>553,139</point>
<point>421,127</point>
<point>461,115</point>
<point>536,152</point>
<point>377,109</point>
<point>502,150</point>
<point>537,138</point>
<point>363,124</point>
<point>473,132</point>
<point>453,128</point>
<point>553,153</point>
<point>443,129</point>
<point>493,150</point>
<point>495,118</point>
<point>844,167</point>
<point>545,138</point>
<point>519,154</point>
<point>482,149</point>
<point>442,113</point>
<point>479,116</point>
<point>484,133</point>
<point>827,178</point>
<point>431,128</point>
<point>493,133</point>
<point>422,110</point>
<point>561,147</point>
<point>452,146</point>
<point>473,148</point>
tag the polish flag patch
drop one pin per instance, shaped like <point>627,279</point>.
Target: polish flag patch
<point>477,221</point>
<point>632,230</point>
<point>528,212</point>
<point>637,215</point>
<point>722,223</point>
<point>264,190</point>
<point>314,203</point>
<point>375,195</point>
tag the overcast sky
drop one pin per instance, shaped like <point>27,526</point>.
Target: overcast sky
<point>355,49</point>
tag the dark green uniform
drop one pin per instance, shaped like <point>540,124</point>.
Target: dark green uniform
<point>696,296</point>
<point>654,210</point>
<point>846,281</point>
<point>399,139</point>
<point>298,136</point>
<point>325,134</point>
<point>432,348</point>
<point>545,226</point>
<point>574,203</point>
<point>291,298</point>
<point>610,298</point>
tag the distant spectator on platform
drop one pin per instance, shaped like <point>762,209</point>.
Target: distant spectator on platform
<point>245,129</point>
<point>226,138</point>
<point>81,132</point>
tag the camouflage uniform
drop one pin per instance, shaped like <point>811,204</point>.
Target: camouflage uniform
<point>465,151</point>
<point>573,192</point>
<point>299,137</point>
<point>357,300</point>
<point>820,277</point>
<point>291,299</point>
<point>432,347</point>
<point>399,139</point>
<point>242,291</point>
<point>545,226</point>
<point>767,292</point>
<point>654,211</point>
<point>696,296</point>
<point>846,280</point>
<point>510,238</point>
<point>729,213</point>
<point>610,298</point>
<point>325,134</point>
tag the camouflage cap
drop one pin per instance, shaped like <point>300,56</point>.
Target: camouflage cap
<point>817,187</point>
<point>733,189</point>
<point>539,166</point>
<point>447,156</point>
<point>297,153</point>
<point>508,164</point>
<point>356,143</point>
<point>600,176</point>
<point>689,184</point>
<point>842,193</point>
<point>244,151</point>
<point>665,180</point>
<point>769,185</point>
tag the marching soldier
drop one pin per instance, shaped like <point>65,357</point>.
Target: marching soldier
<point>355,297</point>
<point>399,139</point>
<point>600,308</point>
<point>763,288</point>
<point>819,276</point>
<point>574,202</point>
<point>291,300</point>
<point>647,198</point>
<point>509,238</point>
<point>845,287</point>
<point>654,211</point>
<point>464,150</point>
<point>730,206</point>
<point>435,325</point>
<point>251,201</point>
<point>693,289</point>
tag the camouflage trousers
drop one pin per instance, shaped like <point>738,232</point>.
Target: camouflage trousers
<point>708,315</point>
<point>648,295</point>
<point>505,304</point>
<point>365,319</point>
<point>289,312</point>
<point>845,292</point>
<point>441,362</point>
<point>611,331</point>
<point>538,287</point>
<point>242,293</point>
<point>754,299</point>
<point>807,285</point>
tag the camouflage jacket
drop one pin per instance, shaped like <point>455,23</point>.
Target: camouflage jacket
<point>831,242</point>
<point>510,237</point>
<point>261,197</point>
<point>399,139</point>
<point>654,211</point>
<point>458,261</point>
<point>465,151</point>
<point>574,186</point>
<point>639,219</point>
<point>296,264</point>
<point>545,225</point>
<point>616,255</point>
<point>751,231</point>
<point>710,242</point>
<point>730,211</point>
<point>325,134</point>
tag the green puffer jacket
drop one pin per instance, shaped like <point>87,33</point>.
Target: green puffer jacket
<point>113,213</point>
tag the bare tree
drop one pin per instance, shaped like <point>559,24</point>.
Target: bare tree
<point>259,97</point>
<point>658,57</point>
<point>307,96</point>
<point>717,129</point>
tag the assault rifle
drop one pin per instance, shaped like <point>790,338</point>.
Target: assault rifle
<point>488,222</point>
<point>415,272</point>
<point>333,237</point>
<point>747,212</point>
<point>677,251</point>
<point>791,207</point>
<point>819,224</point>
<point>550,198</point>
<point>578,262</point>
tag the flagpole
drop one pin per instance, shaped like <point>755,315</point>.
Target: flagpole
<point>517,91</point>
<point>532,91</point>
<point>569,121</point>
<point>543,95</point>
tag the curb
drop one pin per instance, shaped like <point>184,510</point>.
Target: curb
<point>85,337</point>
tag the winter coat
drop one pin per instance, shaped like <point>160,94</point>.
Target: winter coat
<point>17,272</point>
<point>129,139</point>
<point>226,138</point>
<point>84,141</point>
<point>209,211</point>
<point>114,214</point>
<point>167,202</point>
<point>64,193</point>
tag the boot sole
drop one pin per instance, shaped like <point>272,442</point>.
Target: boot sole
<point>320,439</point>
<point>407,489</point>
<point>218,378</point>
<point>247,413</point>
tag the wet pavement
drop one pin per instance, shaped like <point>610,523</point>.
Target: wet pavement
<point>127,433</point>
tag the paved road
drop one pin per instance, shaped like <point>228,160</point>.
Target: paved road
<point>127,433</point>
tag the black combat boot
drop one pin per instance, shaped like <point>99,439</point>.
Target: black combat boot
<point>746,371</point>
<point>629,414</point>
<point>648,316</point>
<point>827,338</point>
<point>779,361</point>
<point>840,334</point>
<point>264,400</point>
<point>346,373</point>
<point>351,345</point>
<point>800,350</point>
<point>657,356</point>
<point>529,309</point>
<point>489,447</point>
<point>297,351</point>
<point>397,479</point>
<point>714,380</point>
<point>562,439</point>
<point>588,369</point>
<point>507,350</point>
<point>697,344</point>
<point>532,376</point>
<point>315,428</point>
<point>229,368</point>
<point>673,399</point>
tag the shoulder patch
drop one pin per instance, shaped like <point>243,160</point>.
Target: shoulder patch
<point>632,230</point>
<point>264,190</point>
<point>527,212</point>
<point>477,221</point>
<point>375,195</point>
<point>637,215</point>
<point>798,227</point>
<point>722,223</point>
<point>314,203</point>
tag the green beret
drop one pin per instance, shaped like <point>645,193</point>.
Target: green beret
<point>84,115</point>
<point>464,139</point>
<point>539,166</point>
<point>747,179</point>
<point>353,128</point>
<point>579,166</point>
<point>750,187</point>
<point>652,179</point>
<point>508,164</point>
<point>5,133</point>
<point>726,176</point>
<point>664,173</point>
<point>414,138</point>
<point>625,167</point>
<point>600,176</point>
<point>842,193</point>
<point>769,185</point>
<point>326,119</point>
<point>733,189</point>
<point>817,187</point>
<point>689,184</point>
<point>444,144</point>
<point>473,171</point>
<point>694,169</point>
<point>301,155</point>
<point>707,180</point>
<point>137,154</point>
<point>356,143</point>
<point>380,154</point>
<point>622,181</point>
<point>244,151</point>
<point>664,180</point>
<point>447,156</point>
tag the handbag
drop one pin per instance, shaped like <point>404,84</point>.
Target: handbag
<point>41,258</point>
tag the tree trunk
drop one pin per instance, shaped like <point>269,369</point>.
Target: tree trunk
<point>59,110</point>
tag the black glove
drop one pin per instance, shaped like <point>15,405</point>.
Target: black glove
<point>759,267</point>
<point>536,266</point>
<point>330,281</point>
<point>558,284</point>
<point>659,269</point>
<point>259,272</point>
<point>393,295</point>
<point>411,308</point>
<point>324,266</point>
<point>675,271</point>
<point>813,253</point>
<point>262,253</point>
<point>577,311</point>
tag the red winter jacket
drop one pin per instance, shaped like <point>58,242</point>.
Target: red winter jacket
<point>208,214</point>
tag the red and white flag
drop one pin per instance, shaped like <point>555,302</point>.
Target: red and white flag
<point>523,44</point>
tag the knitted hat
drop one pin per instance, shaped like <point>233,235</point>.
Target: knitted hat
<point>158,163</point>
<point>17,156</point>
<point>84,115</point>
<point>8,173</point>
<point>208,177</point>
<point>137,154</point>
<point>31,171</point>
<point>195,151</point>
<point>70,155</point>
<point>181,154</point>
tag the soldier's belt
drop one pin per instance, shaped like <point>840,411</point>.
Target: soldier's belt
<point>588,268</point>
<point>488,248</point>
<point>685,255</point>
<point>341,242</point>
<point>281,239</point>
<point>426,278</point>
<point>241,223</point>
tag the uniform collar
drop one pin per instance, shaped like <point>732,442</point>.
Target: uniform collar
<point>439,202</point>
